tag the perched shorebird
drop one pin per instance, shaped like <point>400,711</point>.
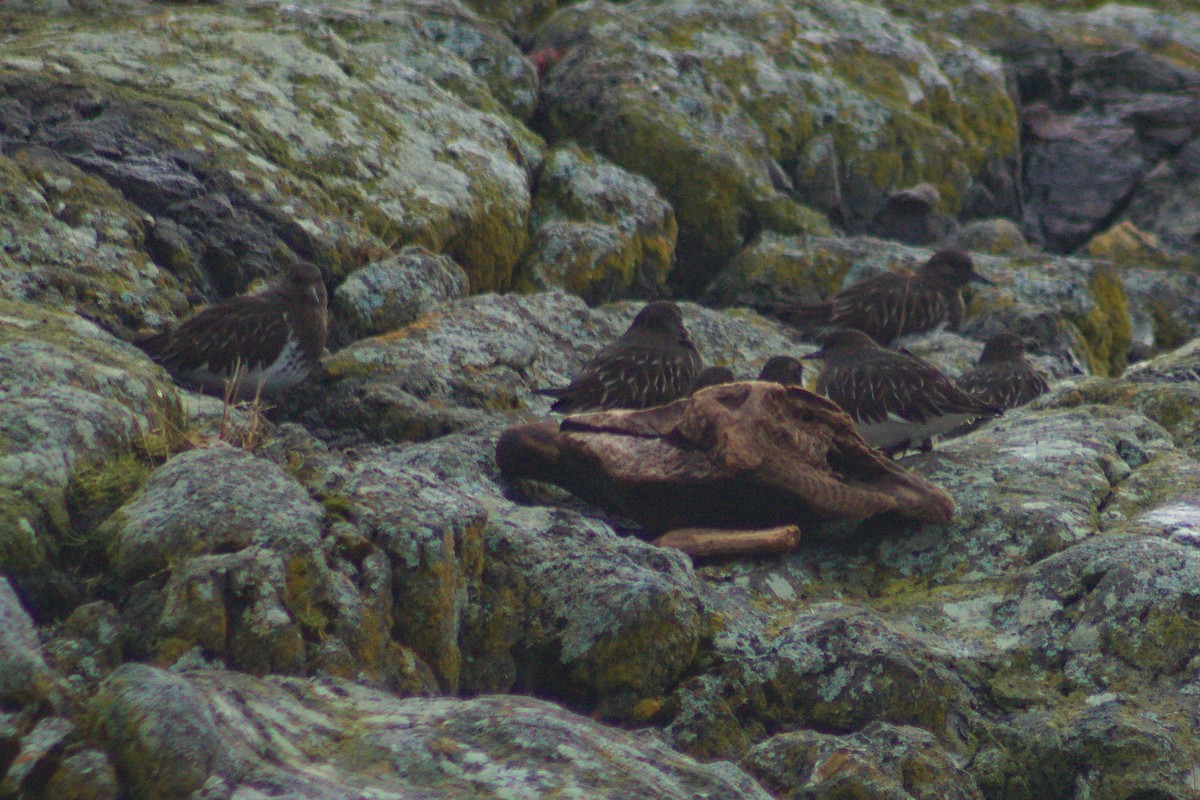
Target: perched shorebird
<point>895,399</point>
<point>894,304</point>
<point>654,362</point>
<point>264,342</point>
<point>713,376</point>
<point>784,370</point>
<point>1003,377</point>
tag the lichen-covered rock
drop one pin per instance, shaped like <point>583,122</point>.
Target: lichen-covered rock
<point>85,775</point>
<point>161,731</point>
<point>831,666</point>
<point>476,361</point>
<point>433,538</point>
<point>88,645</point>
<point>25,678</point>
<point>387,295</point>
<point>600,232</point>
<point>997,237</point>
<point>74,242</point>
<point>211,500</point>
<point>1109,118</point>
<point>356,740</point>
<point>890,762</point>
<point>378,117</point>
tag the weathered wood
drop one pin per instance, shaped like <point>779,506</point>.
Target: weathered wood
<point>734,456</point>
<point>713,542</point>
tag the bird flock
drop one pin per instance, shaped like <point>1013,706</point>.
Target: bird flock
<point>897,400</point>
<point>272,340</point>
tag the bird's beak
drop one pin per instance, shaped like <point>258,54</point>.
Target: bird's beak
<point>815,355</point>
<point>977,278</point>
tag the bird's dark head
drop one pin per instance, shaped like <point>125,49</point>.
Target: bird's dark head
<point>1002,347</point>
<point>713,376</point>
<point>951,268</point>
<point>304,282</point>
<point>661,316</point>
<point>782,369</point>
<point>842,343</point>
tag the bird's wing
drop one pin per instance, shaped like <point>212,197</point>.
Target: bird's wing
<point>900,387</point>
<point>249,328</point>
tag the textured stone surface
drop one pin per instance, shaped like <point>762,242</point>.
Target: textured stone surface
<point>321,591</point>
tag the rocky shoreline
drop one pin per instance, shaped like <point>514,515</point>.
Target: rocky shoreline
<point>344,598</point>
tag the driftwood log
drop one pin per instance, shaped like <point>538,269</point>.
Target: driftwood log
<point>740,455</point>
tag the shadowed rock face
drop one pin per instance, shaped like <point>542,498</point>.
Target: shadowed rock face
<point>737,455</point>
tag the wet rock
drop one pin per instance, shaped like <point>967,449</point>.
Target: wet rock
<point>601,233</point>
<point>387,295</point>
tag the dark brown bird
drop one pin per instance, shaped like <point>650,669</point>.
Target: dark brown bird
<point>713,376</point>
<point>784,370</point>
<point>895,399</point>
<point>894,304</point>
<point>654,362</point>
<point>1003,377</point>
<point>272,339</point>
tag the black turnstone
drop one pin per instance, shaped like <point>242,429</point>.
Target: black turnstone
<point>896,400</point>
<point>265,342</point>
<point>1003,377</point>
<point>784,370</point>
<point>894,304</point>
<point>654,362</point>
<point>713,376</point>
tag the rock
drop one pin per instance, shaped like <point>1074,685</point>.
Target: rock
<point>363,740</point>
<point>88,646</point>
<point>913,215</point>
<point>161,731</point>
<point>997,237</point>
<point>25,678</point>
<point>387,295</point>
<point>40,749</point>
<point>737,455</point>
<point>1108,114</point>
<point>834,667</point>
<point>213,500</point>
<point>420,148</point>
<point>601,233</point>
<point>433,538</point>
<point>882,760</point>
<point>475,363</point>
<point>85,775</point>
<point>74,242</point>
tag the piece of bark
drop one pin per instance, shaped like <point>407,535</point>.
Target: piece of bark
<point>712,542</point>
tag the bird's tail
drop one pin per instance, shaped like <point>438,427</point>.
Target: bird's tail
<point>804,317</point>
